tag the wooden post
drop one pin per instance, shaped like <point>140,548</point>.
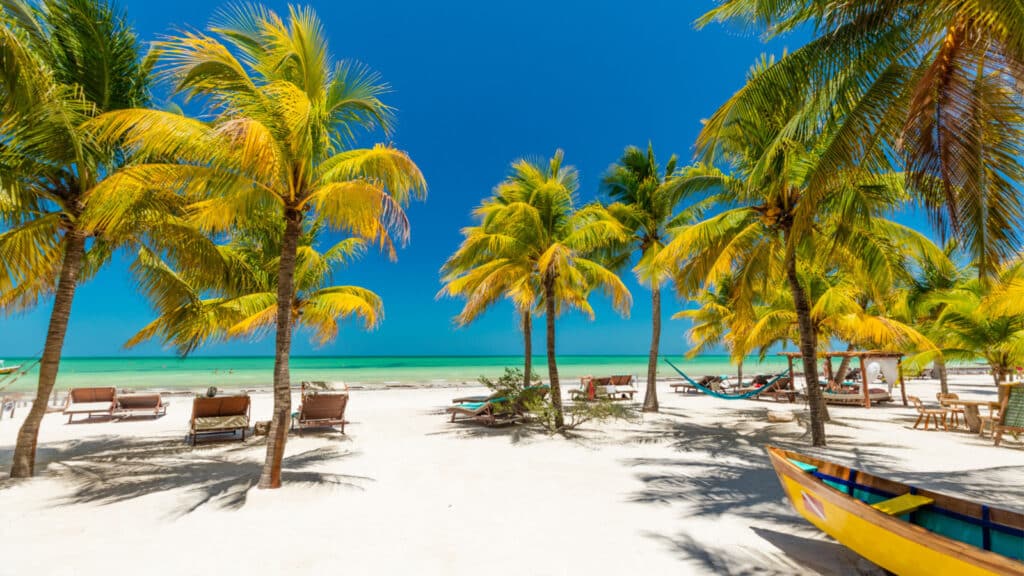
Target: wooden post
<point>828,369</point>
<point>864,382</point>
<point>903,385</point>
<point>792,375</point>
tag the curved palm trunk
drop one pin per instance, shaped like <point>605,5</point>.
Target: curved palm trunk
<point>24,462</point>
<point>739,372</point>
<point>527,348</point>
<point>651,395</point>
<point>556,390</point>
<point>271,475</point>
<point>808,346</point>
<point>940,367</point>
<point>844,365</point>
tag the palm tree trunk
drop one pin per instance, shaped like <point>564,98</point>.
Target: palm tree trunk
<point>651,396</point>
<point>739,373</point>
<point>844,366</point>
<point>271,475</point>
<point>527,347</point>
<point>24,462</point>
<point>940,367</point>
<point>808,345</point>
<point>549,312</point>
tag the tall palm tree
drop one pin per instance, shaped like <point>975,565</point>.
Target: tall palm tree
<point>647,202</point>
<point>284,118</point>
<point>196,306</point>
<point>782,193</point>
<point>64,62</point>
<point>475,273</point>
<point>933,83</point>
<point>534,213</point>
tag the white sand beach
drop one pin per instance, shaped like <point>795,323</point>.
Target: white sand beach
<point>688,491</point>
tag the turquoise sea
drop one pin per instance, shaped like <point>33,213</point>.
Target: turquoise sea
<point>200,372</point>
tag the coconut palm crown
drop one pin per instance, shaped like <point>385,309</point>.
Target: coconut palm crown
<point>281,117</point>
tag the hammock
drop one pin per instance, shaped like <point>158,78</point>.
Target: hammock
<point>710,392</point>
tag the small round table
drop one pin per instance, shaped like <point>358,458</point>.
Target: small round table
<point>971,415</point>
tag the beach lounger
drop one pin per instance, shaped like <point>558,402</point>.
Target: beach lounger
<point>611,388</point>
<point>1011,414</point>
<point>321,410</point>
<point>489,413</point>
<point>218,415</point>
<point>90,401</point>
<point>622,387</point>
<point>140,404</point>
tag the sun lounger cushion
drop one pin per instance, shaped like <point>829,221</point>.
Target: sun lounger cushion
<point>84,407</point>
<point>221,422</point>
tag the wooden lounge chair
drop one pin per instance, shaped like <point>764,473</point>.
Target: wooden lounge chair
<point>611,388</point>
<point>321,410</point>
<point>1011,414</point>
<point>490,413</point>
<point>140,404</point>
<point>623,387</point>
<point>90,401</point>
<point>955,413</point>
<point>927,414</point>
<point>218,415</point>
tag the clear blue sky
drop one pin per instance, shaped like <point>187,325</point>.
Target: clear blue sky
<point>476,85</point>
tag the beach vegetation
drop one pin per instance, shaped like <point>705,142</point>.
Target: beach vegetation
<point>649,201</point>
<point>534,217</point>
<point>64,62</point>
<point>239,301</point>
<point>932,87</point>
<point>281,139</point>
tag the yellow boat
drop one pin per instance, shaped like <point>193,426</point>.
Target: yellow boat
<point>901,528</point>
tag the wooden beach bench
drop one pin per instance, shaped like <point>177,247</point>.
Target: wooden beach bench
<point>218,415</point>
<point>320,409</point>
<point>140,404</point>
<point>611,388</point>
<point>90,401</point>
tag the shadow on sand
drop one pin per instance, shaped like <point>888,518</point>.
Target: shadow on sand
<point>108,470</point>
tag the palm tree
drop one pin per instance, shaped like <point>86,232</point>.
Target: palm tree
<point>722,317</point>
<point>779,201</point>
<point>475,273</point>
<point>284,117</point>
<point>199,305</point>
<point>534,214</point>
<point>973,323</point>
<point>934,83</point>
<point>933,276</point>
<point>646,201</point>
<point>64,62</point>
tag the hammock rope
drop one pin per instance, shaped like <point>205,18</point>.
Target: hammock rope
<point>710,392</point>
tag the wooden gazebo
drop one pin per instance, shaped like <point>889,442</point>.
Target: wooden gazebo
<point>863,357</point>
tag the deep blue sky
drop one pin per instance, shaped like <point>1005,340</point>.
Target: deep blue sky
<point>476,85</point>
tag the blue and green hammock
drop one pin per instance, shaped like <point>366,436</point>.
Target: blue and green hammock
<point>716,394</point>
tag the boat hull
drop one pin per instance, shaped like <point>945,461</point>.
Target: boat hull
<point>9,369</point>
<point>893,544</point>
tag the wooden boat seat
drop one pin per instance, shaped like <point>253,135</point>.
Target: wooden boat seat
<point>804,466</point>
<point>901,505</point>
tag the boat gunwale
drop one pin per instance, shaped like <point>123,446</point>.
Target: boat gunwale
<point>943,544</point>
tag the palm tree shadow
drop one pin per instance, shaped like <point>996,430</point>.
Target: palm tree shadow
<point>110,470</point>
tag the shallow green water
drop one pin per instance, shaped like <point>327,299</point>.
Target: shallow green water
<point>233,372</point>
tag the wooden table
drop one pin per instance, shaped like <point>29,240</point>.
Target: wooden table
<point>972,417</point>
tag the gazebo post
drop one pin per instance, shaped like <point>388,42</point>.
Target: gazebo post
<point>828,368</point>
<point>903,386</point>
<point>864,381</point>
<point>792,376</point>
